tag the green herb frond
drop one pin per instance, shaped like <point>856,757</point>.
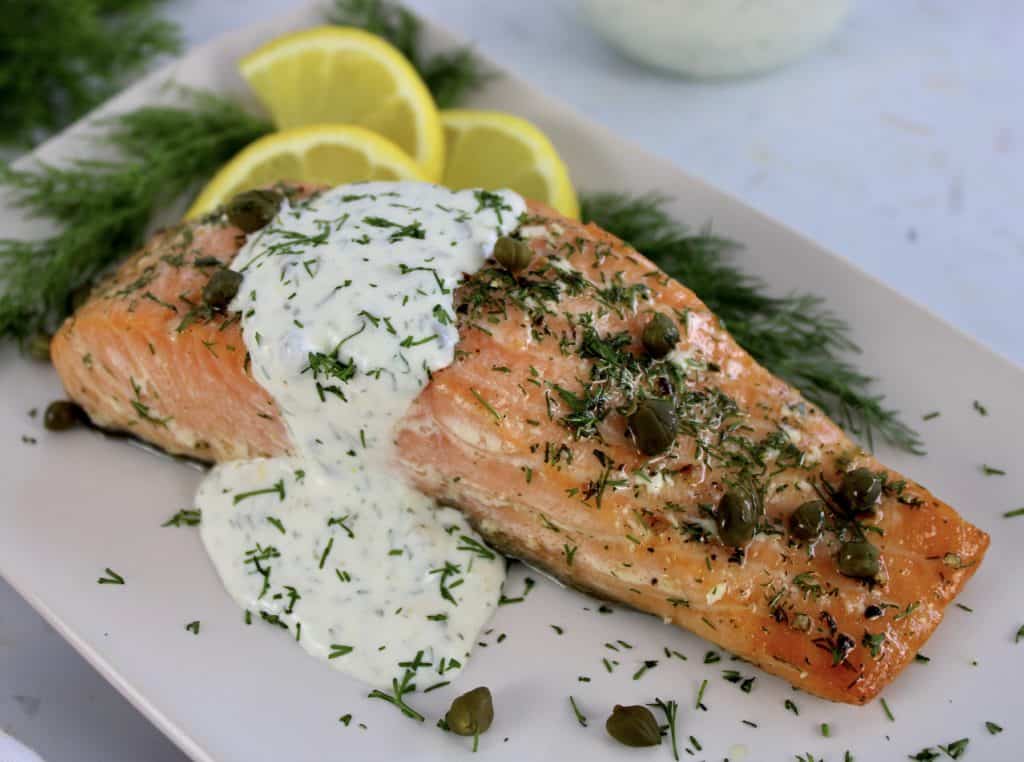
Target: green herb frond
<point>796,336</point>
<point>101,208</point>
<point>60,58</point>
<point>449,76</point>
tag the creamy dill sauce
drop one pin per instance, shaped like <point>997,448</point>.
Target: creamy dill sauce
<point>347,307</point>
<point>716,38</point>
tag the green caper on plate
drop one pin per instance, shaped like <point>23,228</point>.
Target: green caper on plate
<point>633,726</point>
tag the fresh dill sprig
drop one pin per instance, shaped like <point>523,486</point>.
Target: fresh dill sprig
<point>796,336</point>
<point>449,76</point>
<point>101,209</point>
<point>60,58</point>
<point>671,711</point>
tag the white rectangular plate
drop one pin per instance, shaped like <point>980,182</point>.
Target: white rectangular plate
<point>76,503</point>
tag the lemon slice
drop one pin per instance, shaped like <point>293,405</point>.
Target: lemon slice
<point>343,75</point>
<point>327,154</point>
<point>492,150</point>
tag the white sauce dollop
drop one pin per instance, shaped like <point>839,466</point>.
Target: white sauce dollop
<point>347,307</point>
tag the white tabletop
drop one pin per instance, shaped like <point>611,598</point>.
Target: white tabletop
<point>900,146</point>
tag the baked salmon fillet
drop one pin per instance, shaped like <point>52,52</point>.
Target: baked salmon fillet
<point>537,433</point>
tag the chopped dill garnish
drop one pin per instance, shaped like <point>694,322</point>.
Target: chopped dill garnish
<point>193,627</point>
<point>402,687</point>
<point>746,684</point>
<point>700,696</point>
<point>111,578</point>
<point>648,664</point>
<point>795,337</point>
<point>277,488</point>
<point>470,545</point>
<point>185,517</point>
<point>570,553</point>
<point>490,408</point>
<point>670,710</point>
<point>580,717</point>
<point>887,710</point>
<point>528,584</point>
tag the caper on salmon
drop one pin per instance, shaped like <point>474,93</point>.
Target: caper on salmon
<point>860,490</point>
<point>221,289</point>
<point>633,726</point>
<point>253,210</point>
<point>471,713</point>
<point>659,336</point>
<point>512,254</point>
<point>736,518</point>
<point>62,415</point>
<point>807,522</point>
<point>653,425</point>
<point>858,559</point>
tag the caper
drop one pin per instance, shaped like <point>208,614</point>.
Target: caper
<point>736,518</point>
<point>653,424</point>
<point>471,713</point>
<point>633,726</point>
<point>62,415</point>
<point>807,521</point>
<point>858,559</point>
<point>38,346</point>
<point>253,209</point>
<point>221,289</point>
<point>512,254</point>
<point>860,490</point>
<point>659,336</point>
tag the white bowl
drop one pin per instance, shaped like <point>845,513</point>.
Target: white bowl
<point>715,38</point>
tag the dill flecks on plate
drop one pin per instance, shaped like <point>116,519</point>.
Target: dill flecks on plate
<point>60,59</point>
<point>795,337</point>
<point>101,209</point>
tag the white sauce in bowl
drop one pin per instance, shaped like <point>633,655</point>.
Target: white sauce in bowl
<point>346,310</point>
<point>716,38</point>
